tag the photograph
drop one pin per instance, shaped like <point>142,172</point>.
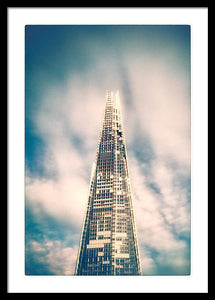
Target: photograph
<point>107,150</point>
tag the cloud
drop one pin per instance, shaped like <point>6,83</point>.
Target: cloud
<point>161,102</point>
<point>175,196</point>
<point>67,128</point>
<point>53,256</point>
<point>64,199</point>
<point>162,220</point>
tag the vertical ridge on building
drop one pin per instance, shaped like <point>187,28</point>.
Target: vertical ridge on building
<point>109,243</point>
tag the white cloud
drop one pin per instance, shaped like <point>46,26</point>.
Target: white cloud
<point>59,259</point>
<point>148,263</point>
<point>176,202</point>
<point>64,200</point>
<point>61,117</point>
<point>161,102</point>
<point>160,218</point>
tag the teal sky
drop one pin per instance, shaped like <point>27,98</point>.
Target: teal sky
<point>67,72</point>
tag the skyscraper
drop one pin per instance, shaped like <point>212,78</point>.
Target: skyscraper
<point>109,243</point>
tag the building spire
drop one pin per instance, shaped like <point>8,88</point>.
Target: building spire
<point>117,100</point>
<point>109,98</point>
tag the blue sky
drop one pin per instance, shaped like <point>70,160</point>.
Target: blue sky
<point>67,72</point>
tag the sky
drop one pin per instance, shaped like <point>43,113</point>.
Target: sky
<point>68,70</point>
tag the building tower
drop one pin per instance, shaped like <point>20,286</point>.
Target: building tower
<point>109,243</point>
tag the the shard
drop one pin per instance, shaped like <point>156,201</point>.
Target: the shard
<point>108,243</point>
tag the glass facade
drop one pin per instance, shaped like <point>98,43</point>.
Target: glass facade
<point>109,243</point>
